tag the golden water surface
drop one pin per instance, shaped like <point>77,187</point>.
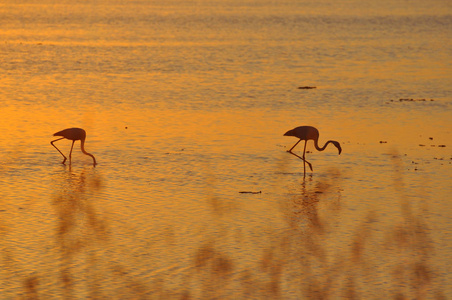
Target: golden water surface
<point>194,195</point>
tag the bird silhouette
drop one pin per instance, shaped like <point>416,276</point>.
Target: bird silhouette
<point>308,133</point>
<point>73,134</point>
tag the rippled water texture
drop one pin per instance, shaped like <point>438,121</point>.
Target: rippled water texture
<point>185,104</point>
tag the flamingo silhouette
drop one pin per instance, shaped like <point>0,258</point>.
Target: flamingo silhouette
<point>73,134</point>
<point>308,133</point>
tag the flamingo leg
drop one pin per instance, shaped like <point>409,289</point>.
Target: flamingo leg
<point>304,151</point>
<point>70,153</point>
<point>290,150</point>
<point>64,160</point>
<point>310,166</point>
<point>302,158</point>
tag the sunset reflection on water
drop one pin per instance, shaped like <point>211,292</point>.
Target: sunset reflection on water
<point>194,195</point>
<point>161,214</point>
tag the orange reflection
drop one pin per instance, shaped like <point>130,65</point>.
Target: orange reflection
<point>167,207</point>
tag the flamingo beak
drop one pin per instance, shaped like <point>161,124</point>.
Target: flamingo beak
<point>288,133</point>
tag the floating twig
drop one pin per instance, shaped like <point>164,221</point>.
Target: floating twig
<point>412,100</point>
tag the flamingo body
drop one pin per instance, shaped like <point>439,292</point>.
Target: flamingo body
<point>73,134</point>
<point>305,133</point>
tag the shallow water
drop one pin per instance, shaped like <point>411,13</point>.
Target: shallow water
<point>185,105</point>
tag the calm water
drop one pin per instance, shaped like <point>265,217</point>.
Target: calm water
<point>185,104</point>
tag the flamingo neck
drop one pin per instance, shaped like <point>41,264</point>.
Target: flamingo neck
<point>82,146</point>
<point>316,144</point>
<point>335,143</point>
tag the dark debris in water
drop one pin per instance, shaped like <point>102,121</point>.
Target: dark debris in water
<point>411,100</point>
<point>176,152</point>
<point>441,158</point>
<point>306,87</point>
<point>249,192</point>
<point>439,146</point>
